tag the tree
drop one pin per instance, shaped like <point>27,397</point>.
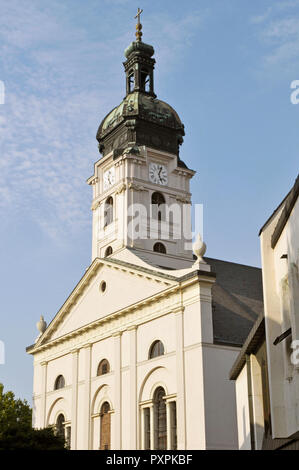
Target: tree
<point>16,432</point>
<point>13,412</point>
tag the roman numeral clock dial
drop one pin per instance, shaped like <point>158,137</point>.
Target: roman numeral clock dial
<point>158,174</point>
<point>109,178</point>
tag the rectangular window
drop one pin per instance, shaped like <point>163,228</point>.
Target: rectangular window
<point>173,425</point>
<point>131,82</point>
<point>147,429</point>
<point>68,437</point>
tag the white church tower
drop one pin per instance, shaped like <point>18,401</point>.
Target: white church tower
<point>141,190</point>
<point>130,361</point>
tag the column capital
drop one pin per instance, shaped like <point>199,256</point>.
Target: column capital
<point>117,334</point>
<point>132,328</point>
<point>44,363</point>
<point>178,310</point>
<point>75,350</point>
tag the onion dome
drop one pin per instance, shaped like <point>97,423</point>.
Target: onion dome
<point>140,119</point>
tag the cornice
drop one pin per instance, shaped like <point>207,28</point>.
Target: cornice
<point>136,187</point>
<point>184,172</point>
<point>184,200</point>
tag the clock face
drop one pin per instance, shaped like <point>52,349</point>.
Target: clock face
<point>109,178</point>
<point>158,173</point>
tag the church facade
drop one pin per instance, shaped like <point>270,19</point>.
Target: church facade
<point>266,370</point>
<point>138,356</point>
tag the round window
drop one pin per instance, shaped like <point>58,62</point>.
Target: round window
<point>103,286</point>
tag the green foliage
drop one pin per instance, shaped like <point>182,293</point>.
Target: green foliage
<point>16,432</point>
<point>13,413</point>
<point>20,438</point>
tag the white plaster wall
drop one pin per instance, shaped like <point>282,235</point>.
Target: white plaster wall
<point>273,328</point>
<point>93,304</point>
<point>37,378</point>
<point>60,366</point>
<point>283,383</point>
<point>81,416</point>
<point>36,412</point>
<point>220,400</point>
<point>81,365</point>
<point>125,356</point>
<point>192,325</point>
<point>162,329</point>
<point>126,412</point>
<point>102,350</point>
<point>257,397</point>
<point>195,400</point>
<point>242,407</point>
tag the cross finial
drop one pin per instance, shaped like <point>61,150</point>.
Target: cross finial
<point>138,15</point>
<point>138,25</point>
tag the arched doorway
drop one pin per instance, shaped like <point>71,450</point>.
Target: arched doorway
<point>160,422</point>
<point>105,434</point>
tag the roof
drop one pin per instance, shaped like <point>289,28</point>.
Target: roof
<point>253,341</point>
<point>139,47</point>
<point>237,300</point>
<point>290,201</point>
<point>138,104</point>
<point>288,198</point>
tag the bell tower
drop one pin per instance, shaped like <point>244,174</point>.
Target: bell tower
<point>141,187</point>
<point>139,66</point>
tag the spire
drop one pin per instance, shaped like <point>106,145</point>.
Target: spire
<point>140,119</point>
<point>138,33</point>
<point>139,66</point>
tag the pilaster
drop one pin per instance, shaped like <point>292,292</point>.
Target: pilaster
<point>75,354</point>
<point>44,366</point>
<point>117,421</point>
<point>88,350</point>
<point>133,388</point>
<point>181,404</point>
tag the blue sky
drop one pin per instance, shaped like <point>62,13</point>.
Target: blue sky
<point>225,66</point>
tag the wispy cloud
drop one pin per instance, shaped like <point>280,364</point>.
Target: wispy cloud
<point>60,81</point>
<point>278,32</point>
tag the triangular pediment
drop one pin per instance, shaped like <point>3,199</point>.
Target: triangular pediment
<point>125,284</point>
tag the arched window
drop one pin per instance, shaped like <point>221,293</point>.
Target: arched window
<point>156,349</point>
<point>108,215</point>
<point>60,426</point>
<point>160,422</point>
<point>158,198</point>
<point>159,248</point>
<point>105,426</point>
<point>103,367</point>
<point>108,251</point>
<point>158,206</point>
<point>131,81</point>
<point>145,80</point>
<point>59,382</point>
